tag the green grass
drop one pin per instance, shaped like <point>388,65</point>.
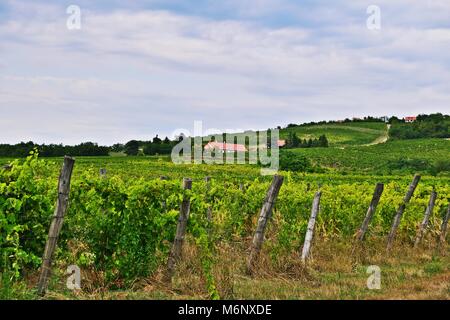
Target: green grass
<point>409,275</point>
<point>341,134</point>
<point>4,161</point>
<point>334,273</point>
<point>350,151</point>
<point>352,160</point>
<point>376,158</point>
<point>361,147</point>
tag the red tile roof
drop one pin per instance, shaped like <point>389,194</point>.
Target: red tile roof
<point>225,146</point>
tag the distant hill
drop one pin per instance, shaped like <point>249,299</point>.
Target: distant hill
<point>394,156</point>
<point>341,134</point>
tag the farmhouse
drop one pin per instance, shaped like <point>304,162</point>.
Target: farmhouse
<point>231,147</point>
<point>281,143</point>
<point>410,119</point>
<point>224,147</point>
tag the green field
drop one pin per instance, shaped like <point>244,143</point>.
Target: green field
<point>365,148</point>
<point>383,158</point>
<point>119,228</point>
<point>341,134</point>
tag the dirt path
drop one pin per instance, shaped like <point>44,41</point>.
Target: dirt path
<point>381,139</point>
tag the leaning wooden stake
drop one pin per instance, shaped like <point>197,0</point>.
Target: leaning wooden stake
<point>443,234</point>
<point>209,210</point>
<point>426,218</point>
<point>310,231</point>
<point>164,202</point>
<point>103,172</point>
<point>370,212</point>
<point>401,209</point>
<point>7,167</point>
<point>264,216</point>
<point>175,253</point>
<point>56,224</point>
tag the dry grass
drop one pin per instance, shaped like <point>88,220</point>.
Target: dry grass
<point>333,272</point>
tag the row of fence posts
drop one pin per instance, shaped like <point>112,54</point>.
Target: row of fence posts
<point>258,238</point>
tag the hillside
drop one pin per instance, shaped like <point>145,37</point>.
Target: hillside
<point>341,134</point>
<point>365,147</point>
<point>361,147</point>
<point>393,156</point>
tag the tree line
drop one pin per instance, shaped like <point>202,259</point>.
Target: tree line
<point>53,150</point>
<point>156,146</point>
<point>293,141</point>
<point>426,126</point>
<point>347,120</point>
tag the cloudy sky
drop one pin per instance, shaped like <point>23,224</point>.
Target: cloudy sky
<point>137,68</point>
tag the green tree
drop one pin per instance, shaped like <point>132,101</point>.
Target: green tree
<point>157,140</point>
<point>293,141</point>
<point>118,147</point>
<point>291,161</point>
<point>323,141</point>
<point>132,148</point>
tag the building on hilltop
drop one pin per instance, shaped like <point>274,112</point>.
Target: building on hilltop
<point>224,147</point>
<point>410,119</point>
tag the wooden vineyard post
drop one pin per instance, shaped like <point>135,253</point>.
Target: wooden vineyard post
<point>444,225</point>
<point>264,216</point>
<point>7,167</point>
<point>164,203</point>
<point>426,218</point>
<point>370,212</point>
<point>102,173</point>
<point>209,210</point>
<point>62,204</point>
<point>175,252</point>
<point>310,231</point>
<point>401,209</point>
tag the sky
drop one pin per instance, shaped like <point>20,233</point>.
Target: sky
<point>139,68</point>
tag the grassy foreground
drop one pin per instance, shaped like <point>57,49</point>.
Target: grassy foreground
<point>333,273</point>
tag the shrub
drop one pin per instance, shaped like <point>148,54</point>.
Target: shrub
<point>409,164</point>
<point>440,166</point>
<point>290,161</point>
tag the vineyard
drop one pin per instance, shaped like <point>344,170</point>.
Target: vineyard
<point>121,225</point>
<point>394,157</point>
<point>341,134</point>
